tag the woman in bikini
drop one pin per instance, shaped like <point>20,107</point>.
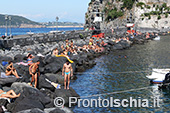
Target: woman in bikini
<point>10,70</point>
<point>9,94</point>
<point>29,59</point>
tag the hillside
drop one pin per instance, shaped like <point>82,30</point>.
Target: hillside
<point>113,13</point>
<point>17,21</point>
<point>22,22</point>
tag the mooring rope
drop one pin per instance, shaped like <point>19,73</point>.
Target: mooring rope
<point>117,92</point>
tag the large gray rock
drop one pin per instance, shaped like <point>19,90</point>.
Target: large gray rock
<point>57,78</point>
<point>29,98</point>
<point>65,94</point>
<point>7,81</point>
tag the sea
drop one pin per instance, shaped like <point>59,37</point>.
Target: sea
<point>23,31</point>
<point>122,75</point>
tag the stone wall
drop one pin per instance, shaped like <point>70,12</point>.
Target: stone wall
<point>30,40</point>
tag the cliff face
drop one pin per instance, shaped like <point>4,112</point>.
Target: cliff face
<point>116,13</point>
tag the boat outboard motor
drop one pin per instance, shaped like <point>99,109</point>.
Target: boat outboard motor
<point>167,78</point>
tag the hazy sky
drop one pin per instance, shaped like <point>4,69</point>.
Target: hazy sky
<point>46,10</point>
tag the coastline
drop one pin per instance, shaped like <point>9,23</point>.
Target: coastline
<point>82,61</point>
<point>44,27</point>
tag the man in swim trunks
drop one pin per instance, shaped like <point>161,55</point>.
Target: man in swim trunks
<point>9,94</point>
<point>67,72</point>
<point>35,72</point>
<point>11,70</point>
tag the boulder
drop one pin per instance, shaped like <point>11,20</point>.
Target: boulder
<point>7,81</point>
<point>57,78</point>
<point>30,98</point>
<point>65,94</point>
<point>53,68</point>
<point>34,110</point>
<point>42,83</point>
<point>3,102</point>
<point>5,58</point>
<point>19,58</point>
<point>118,46</point>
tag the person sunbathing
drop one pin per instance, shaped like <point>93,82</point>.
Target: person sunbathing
<point>9,94</point>
<point>35,72</point>
<point>10,70</point>
<point>91,41</point>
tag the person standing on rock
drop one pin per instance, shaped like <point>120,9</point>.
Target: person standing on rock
<point>67,72</point>
<point>35,72</point>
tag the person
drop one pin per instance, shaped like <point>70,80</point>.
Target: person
<point>35,72</point>
<point>9,94</point>
<point>91,41</point>
<point>67,72</point>
<point>11,70</point>
<point>30,58</point>
<point>55,52</point>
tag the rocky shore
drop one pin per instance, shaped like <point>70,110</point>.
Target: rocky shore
<point>42,99</point>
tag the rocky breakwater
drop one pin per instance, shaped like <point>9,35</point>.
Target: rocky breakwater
<point>42,98</point>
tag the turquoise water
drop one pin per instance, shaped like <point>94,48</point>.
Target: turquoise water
<point>106,77</point>
<point>23,31</point>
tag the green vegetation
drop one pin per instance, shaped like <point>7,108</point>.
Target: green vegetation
<point>160,9</point>
<point>166,15</point>
<point>140,4</point>
<point>128,4</point>
<point>17,20</point>
<point>113,14</point>
<point>149,17</point>
<point>159,17</point>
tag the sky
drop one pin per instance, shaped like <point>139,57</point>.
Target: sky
<point>47,10</point>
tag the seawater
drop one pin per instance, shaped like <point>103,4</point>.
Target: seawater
<point>106,77</point>
<point>23,31</point>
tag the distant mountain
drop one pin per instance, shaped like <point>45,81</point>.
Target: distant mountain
<point>62,24</point>
<point>22,22</point>
<point>17,20</point>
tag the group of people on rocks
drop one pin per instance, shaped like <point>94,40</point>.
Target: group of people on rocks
<point>69,49</point>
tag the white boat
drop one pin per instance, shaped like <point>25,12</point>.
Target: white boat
<point>157,38</point>
<point>158,75</point>
<point>54,31</point>
<point>30,33</point>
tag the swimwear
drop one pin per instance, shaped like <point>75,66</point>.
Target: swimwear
<point>3,93</point>
<point>29,59</point>
<point>67,73</point>
<point>37,70</point>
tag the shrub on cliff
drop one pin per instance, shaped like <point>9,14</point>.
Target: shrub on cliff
<point>166,15</point>
<point>128,4</point>
<point>159,17</point>
<point>140,4</point>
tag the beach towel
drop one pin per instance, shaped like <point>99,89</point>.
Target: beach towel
<point>22,63</point>
<point>57,86</point>
<point>65,57</point>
